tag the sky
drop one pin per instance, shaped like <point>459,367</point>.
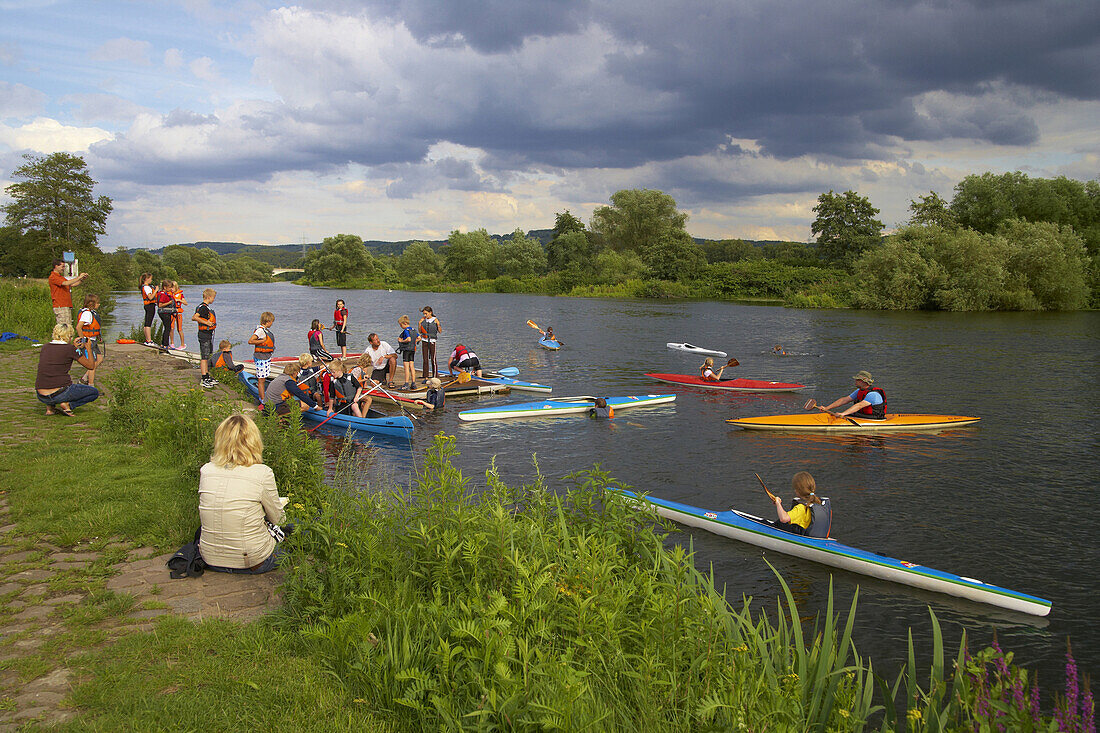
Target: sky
<point>243,120</point>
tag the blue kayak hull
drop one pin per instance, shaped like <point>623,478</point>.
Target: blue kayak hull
<point>755,531</point>
<point>549,344</point>
<point>399,426</point>
<point>564,406</point>
<point>516,384</point>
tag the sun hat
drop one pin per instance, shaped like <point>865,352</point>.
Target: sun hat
<point>865,376</point>
<point>434,383</point>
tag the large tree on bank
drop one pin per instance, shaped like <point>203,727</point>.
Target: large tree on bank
<point>53,196</point>
<point>845,226</point>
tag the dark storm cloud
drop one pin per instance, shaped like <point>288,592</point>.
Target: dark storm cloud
<point>577,84</point>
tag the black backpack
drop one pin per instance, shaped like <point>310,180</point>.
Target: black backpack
<point>187,562</point>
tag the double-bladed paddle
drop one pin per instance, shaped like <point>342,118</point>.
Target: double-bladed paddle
<point>812,403</point>
<point>771,496</point>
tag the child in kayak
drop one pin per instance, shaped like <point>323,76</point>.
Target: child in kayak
<point>810,514</point>
<point>342,391</point>
<point>317,342</point>
<point>707,373</point>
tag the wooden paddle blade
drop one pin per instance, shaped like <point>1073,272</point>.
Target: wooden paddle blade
<point>532,324</point>
<point>733,362</point>
<point>810,404</point>
<point>765,486</point>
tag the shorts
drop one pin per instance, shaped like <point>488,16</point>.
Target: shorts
<point>471,364</point>
<point>92,350</point>
<point>150,314</point>
<point>263,368</point>
<point>63,315</point>
<point>380,375</point>
<point>407,356</point>
<point>206,345</point>
<point>342,338</point>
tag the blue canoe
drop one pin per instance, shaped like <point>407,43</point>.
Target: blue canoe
<point>376,422</point>
<point>755,531</point>
<point>549,344</point>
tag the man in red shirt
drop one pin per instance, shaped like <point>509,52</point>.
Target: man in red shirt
<point>61,292</point>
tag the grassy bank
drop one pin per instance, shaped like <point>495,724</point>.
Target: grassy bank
<point>437,606</point>
<point>27,310</point>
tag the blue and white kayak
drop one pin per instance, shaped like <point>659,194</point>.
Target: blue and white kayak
<point>375,421</point>
<point>516,384</point>
<point>549,344</point>
<point>563,406</point>
<point>756,531</point>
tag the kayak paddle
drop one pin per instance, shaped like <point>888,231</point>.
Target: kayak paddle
<point>462,378</point>
<point>770,494</point>
<point>533,325</point>
<point>812,403</point>
<point>508,372</point>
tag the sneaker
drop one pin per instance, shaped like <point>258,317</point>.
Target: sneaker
<point>209,382</point>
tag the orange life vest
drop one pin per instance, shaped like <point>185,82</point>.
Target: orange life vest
<point>151,297</point>
<point>89,330</point>
<point>213,323</point>
<point>265,348</point>
<point>219,361</point>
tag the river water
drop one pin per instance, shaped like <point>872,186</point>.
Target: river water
<point>1008,501</point>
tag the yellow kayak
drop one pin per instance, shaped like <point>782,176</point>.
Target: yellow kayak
<point>821,421</point>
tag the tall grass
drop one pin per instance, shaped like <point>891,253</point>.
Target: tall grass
<point>27,310</point>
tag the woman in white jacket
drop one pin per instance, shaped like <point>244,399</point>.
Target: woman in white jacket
<point>237,494</point>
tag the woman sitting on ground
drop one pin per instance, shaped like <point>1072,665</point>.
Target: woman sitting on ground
<point>54,386</point>
<point>237,494</point>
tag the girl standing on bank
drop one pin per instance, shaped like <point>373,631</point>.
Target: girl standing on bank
<point>149,300</point>
<point>166,309</point>
<point>429,328</point>
<point>340,326</point>
<point>177,319</point>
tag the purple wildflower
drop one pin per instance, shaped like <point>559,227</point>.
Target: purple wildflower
<point>1018,692</point>
<point>1035,701</point>
<point>1002,665</point>
<point>1071,684</point>
<point>1088,711</point>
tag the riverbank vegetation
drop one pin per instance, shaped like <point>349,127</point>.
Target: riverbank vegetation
<point>446,604</point>
<point>26,310</point>
<point>1003,243</point>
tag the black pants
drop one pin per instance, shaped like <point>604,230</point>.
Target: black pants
<point>166,319</point>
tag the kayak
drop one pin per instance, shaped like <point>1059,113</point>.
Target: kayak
<point>756,531</point>
<point>695,349</point>
<point>549,344</point>
<point>515,384</point>
<point>350,359</point>
<point>374,422</point>
<point>822,421</point>
<point>564,406</point>
<point>729,385</point>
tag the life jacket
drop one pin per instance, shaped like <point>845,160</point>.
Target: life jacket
<point>213,322</point>
<point>265,348</point>
<point>608,412</point>
<point>821,518</point>
<point>339,316</point>
<point>89,330</point>
<point>314,340</point>
<point>221,361</point>
<point>703,372</point>
<point>165,300</point>
<point>874,412</point>
<point>177,295</point>
<point>342,388</point>
<point>461,355</point>
<point>151,297</point>
<point>431,327</point>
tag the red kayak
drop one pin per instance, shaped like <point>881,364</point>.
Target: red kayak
<point>729,385</point>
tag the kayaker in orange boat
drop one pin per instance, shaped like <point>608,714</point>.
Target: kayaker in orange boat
<point>868,402</point>
<point>707,373</point>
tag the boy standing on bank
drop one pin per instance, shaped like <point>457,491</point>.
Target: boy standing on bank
<point>263,342</point>
<point>208,321</point>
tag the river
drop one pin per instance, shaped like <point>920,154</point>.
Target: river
<point>1006,501</point>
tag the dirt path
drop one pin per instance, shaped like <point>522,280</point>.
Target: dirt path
<point>43,586</point>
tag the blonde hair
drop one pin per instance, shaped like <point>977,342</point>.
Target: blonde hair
<point>62,332</point>
<point>805,487</point>
<point>364,362</point>
<point>237,442</point>
<point>305,360</point>
<point>403,321</point>
<point>267,317</point>
<point>708,362</point>
<point>293,369</point>
<point>337,365</point>
<point>208,293</point>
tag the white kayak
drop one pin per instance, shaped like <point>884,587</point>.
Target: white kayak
<point>562,406</point>
<point>693,349</point>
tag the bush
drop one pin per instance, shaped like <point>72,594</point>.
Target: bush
<point>27,310</point>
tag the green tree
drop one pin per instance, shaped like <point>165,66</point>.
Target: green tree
<point>521,257</point>
<point>1048,261</point>
<point>419,263</point>
<point>24,254</point>
<point>673,256</point>
<point>470,256</point>
<point>731,250</point>
<point>571,251</point>
<point>638,219</point>
<point>53,195</point>
<point>341,258</point>
<point>845,226</point>
<point>931,210</point>
<point>565,223</point>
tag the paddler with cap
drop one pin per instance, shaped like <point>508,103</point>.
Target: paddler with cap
<point>868,402</point>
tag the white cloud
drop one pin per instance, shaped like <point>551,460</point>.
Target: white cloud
<point>19,100</point>
<point>205,69</point>
<point>173,59</point>
<point>46,135</point>
<point>123,49</point>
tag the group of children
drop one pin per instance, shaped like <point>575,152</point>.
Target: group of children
<point>167,301</point>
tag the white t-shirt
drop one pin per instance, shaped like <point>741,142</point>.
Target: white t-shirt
<point>378,356</point>
<point>85,317</point>
<point>148,291</point>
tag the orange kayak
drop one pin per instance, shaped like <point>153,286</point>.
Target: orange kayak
<point>821,421</point>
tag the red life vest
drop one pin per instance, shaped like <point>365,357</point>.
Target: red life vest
<point>213,323</point>
<point>875,412</point>
<point>265,348</point>
<point>89,330</point>
<point>339,316</point>
<point>165,299</point>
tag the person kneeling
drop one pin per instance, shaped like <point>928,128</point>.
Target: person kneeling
<point>237,500</point>
<point>285,386</point>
